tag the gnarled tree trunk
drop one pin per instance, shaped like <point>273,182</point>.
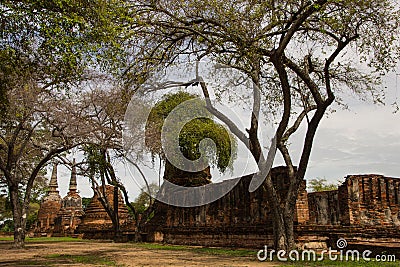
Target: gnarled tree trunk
<point>19,217</point>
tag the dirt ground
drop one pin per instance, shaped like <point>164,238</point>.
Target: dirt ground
<point>113,254</point>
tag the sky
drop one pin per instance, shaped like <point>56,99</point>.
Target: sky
<point>364,139</point>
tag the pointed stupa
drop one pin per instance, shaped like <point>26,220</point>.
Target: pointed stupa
<point>50,206</point>
<point>72,181</point>
<point>53,180</point>
<point>53,194</point>
<point>71,210</point>
<point>72,200</point>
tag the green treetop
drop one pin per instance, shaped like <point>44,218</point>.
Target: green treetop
<point>192,133</point>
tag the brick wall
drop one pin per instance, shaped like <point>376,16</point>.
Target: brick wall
<point>363,206</point>
<point>238,218</point>
<point>372,200</point>
<point>324,208</point>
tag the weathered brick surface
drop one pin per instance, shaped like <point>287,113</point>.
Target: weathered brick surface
<point>364,207</point>
<point>46,216</point>
<point>323,208</point>
<point>71,211</point>
<point>49,207</point>
<point>371,200</point>
<point>97,224</point>
<point>238,209</point>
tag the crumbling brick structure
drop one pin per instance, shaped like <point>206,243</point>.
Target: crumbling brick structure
<point>56,216</point>
<point>97,224</point>
<point>71,211</point>
<point>365,200</point>
<point>238,218</point>
<point>49,207</point>
<point>324,208</point>
<point>370,200</point>
<point>62,217</point>
<point>364,206</point>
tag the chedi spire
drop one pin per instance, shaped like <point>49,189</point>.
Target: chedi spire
<point>53,180</point>
<point>72,182</point>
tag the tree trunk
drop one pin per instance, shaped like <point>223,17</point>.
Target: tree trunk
<point>289,230</point>
<point>117,233</point>
<point>282,223</point>
<point>18,217</point>
<point>279,231</point>
<point>282,207</point>
<point>138,236</point>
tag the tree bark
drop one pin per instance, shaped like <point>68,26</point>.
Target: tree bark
<point>282,223</point>
<point>117,233</point>
<point>138,221</point>
<point>289,226</point>
<point>19,217</point>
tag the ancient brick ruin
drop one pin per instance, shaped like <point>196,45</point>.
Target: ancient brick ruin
<point>65,216</point>
<point>56,216</point>
<point>96,223</point>
<point>363,207</point>
<point>50,206</point>
<point>70,214</point>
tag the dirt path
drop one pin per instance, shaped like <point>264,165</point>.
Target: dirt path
<point>91,254</point>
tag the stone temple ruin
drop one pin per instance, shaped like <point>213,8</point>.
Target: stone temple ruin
<point>56,215</point>
<point>66,217</point>
<point>364,208</point>
<point>96,224</point>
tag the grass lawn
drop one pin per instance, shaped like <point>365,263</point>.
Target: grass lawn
<point>83,259</point>
<point>206,250</point>
<point>98,258</point>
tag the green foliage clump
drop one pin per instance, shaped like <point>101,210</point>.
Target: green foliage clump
<point>193,132</point>
<point>143,200</point>
<point>321,184</point>
<point>86,201</point>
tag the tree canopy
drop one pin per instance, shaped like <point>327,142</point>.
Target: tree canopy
<point>321,184</point>
<point>53,42</point>
<point>302,55</point>
<point>47,48</point>
<point>192,133</point>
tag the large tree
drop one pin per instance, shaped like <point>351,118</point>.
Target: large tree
<point>301,54</point>
<point>37,126</point>
<point>103,109</point>
<point>46,48</point>
<point>189,138</point>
